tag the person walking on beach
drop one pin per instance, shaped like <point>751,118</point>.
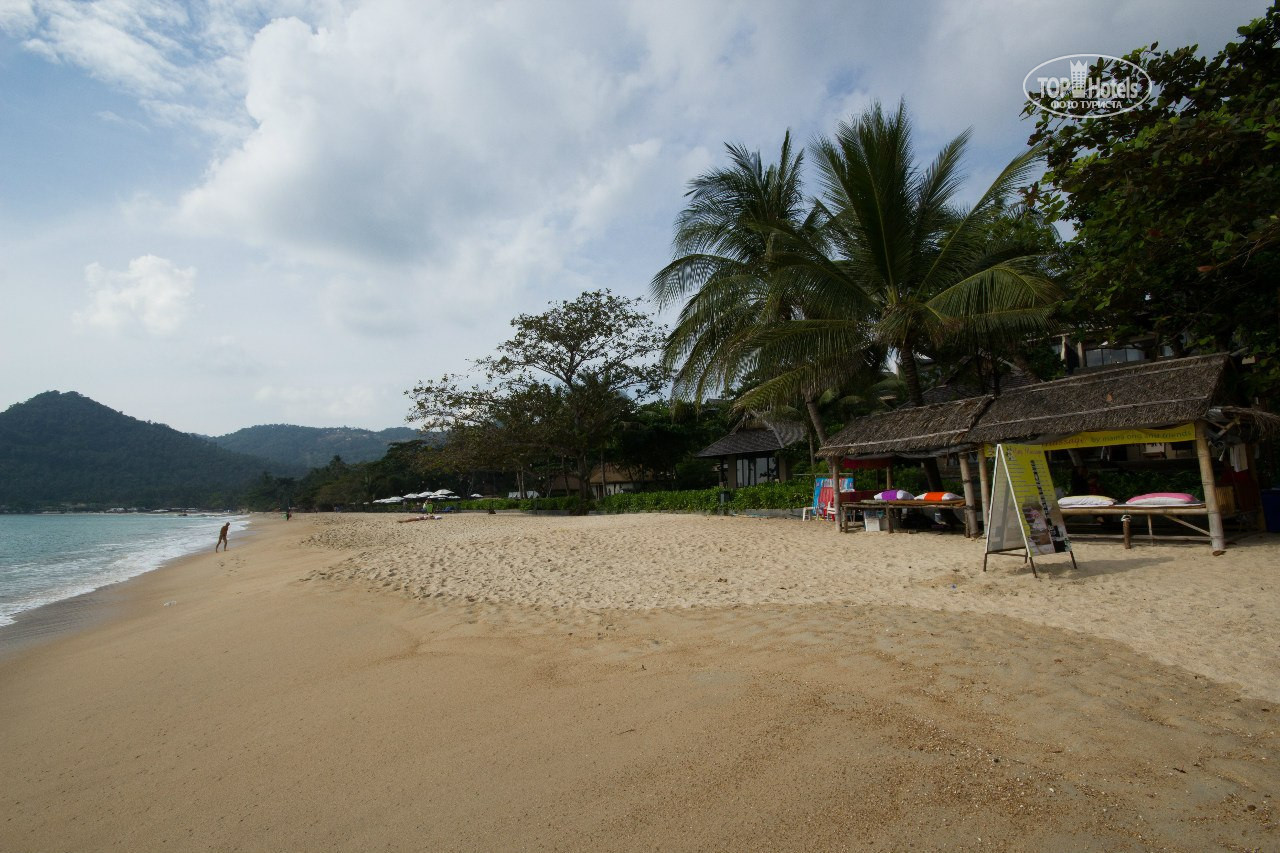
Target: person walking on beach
<point>222,538</point>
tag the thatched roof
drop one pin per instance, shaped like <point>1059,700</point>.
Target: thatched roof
<point>957,387</point>
<point>1145,394</point>
<point>770,437</point>
<point>916,429</point>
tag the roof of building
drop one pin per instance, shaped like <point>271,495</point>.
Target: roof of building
<point>770,437</point>
<point>955,387</point>
<point>913,429</point>
<point>1143,394</point>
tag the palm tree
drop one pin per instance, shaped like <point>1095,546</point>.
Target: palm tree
<point>806,302</point>
<point>739,301</point>
<point>724,246</point>
<point>899,237</point>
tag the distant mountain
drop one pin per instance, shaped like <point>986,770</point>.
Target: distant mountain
<point>65,449</point>
<point>313,447</point>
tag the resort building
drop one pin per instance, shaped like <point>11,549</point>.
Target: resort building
<point>752,453</point>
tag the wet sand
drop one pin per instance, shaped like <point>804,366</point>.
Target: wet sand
<point>652,682</point>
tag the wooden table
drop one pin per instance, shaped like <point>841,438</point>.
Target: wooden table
<point>957,503</point>
<point>1127,512</point>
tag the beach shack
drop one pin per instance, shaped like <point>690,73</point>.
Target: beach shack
<point>910,434</point>
<point>1162,402</point>
<point>752,453</point>
<point>1159,402</point>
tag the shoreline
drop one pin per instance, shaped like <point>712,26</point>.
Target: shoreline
<point>87,610</point>
<point>302,693</point>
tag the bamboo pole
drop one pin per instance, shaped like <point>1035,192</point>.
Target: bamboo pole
<point>970,511</point>
<point>888,484</point>
<point>984,484</point>
<point>1207,482</point>
<point>835,495</point>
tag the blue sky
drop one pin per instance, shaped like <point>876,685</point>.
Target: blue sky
<point>234,212</point>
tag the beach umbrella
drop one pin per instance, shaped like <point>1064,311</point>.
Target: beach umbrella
<point>477,496</point>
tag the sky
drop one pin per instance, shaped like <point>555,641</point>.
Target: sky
<point>234,212</point>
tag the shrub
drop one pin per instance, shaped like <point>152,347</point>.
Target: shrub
<point>1123,485</point>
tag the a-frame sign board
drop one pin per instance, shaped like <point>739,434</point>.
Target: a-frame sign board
<point>1024,508</point>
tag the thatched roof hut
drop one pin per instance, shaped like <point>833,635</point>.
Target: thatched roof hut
<point>768,437</point>
<point>1145,394</point>
<point>752,452</point>
<point>920,430</point>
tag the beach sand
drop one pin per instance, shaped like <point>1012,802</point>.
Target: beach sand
<point>666,682</point>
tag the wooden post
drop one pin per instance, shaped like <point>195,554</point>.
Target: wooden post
<point>984,483</point>
<point>835,495</point>
<point>970,511</point>
<point>1259,517</point>
<point>1216,537</point>
<point>888,484</point>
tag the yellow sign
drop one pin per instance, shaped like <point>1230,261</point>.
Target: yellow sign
<point>1111,437</point>
<point>1024,507</point>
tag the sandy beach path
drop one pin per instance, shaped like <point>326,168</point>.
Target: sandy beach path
<point>360,685</point>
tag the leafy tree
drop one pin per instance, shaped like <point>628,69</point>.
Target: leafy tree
<point>1174,203</point>
<point>560,386</point>
<point>660,437</point>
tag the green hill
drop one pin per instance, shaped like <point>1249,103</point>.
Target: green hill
<point>313,447</point>
<point>63,449</point>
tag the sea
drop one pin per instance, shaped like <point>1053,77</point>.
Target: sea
<point>48,558</point>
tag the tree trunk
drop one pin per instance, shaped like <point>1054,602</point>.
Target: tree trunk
<point>584,475</point>
<point>816,418</point>
<point>911,376</point>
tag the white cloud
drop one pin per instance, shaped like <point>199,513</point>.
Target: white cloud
<point>317,404</point>
<point>378,186</point>
<point>17,16</point>
<point>152,293</point>
<point>226,356</point>
<point>370,308</point>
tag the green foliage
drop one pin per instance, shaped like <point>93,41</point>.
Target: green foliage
<point>659,439</point>
<point>789,495</point>
<point>695,500</point>
<point>557,391</point>
<point>1174,203</point>
<point>931,271</point>
<point>1123,485</point>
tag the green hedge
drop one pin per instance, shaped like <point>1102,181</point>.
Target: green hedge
<point>793,494</point>
<point>789,495</point>
<point>485,504</point>
<point>798,493</point>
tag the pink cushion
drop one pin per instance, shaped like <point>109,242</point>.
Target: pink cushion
<point>1162,499</point>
